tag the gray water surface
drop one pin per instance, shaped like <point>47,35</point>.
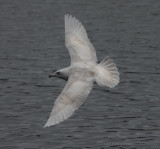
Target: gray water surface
<point>32,46</point>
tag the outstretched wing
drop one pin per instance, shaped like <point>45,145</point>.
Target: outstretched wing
<point>77,42</point>
<point>71,98</point>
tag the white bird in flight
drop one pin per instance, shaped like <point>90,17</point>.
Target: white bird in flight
<point>81,74</point>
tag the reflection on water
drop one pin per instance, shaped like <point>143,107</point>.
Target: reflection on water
<point>32,45</point>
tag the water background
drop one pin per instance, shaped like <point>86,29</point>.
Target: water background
<point>32,46</point>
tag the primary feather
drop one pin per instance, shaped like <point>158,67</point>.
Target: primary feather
<point>77,42</point>
<point>72,96</point>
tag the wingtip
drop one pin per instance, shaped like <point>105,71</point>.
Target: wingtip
<point>46,125</point>
<point>67,15</point>
<point>50,122</point>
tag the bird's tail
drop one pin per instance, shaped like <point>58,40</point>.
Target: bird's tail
<point>107,73</point>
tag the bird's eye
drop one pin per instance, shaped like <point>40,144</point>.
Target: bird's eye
<point>58,73</point>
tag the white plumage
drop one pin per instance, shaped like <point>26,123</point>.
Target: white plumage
<point>82,72</point>
<point>77,42</point>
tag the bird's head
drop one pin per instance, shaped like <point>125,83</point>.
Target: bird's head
<point>59,74</point>
<point>55,74</point>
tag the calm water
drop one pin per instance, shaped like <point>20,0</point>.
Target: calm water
<point>32,46</point>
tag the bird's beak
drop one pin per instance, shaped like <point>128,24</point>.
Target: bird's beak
<point>52,75</point>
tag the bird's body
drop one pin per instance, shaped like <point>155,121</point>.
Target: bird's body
<point>86,68</point>
<point>81,74</point>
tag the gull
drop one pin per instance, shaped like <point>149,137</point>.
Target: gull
<point>81,75</point>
